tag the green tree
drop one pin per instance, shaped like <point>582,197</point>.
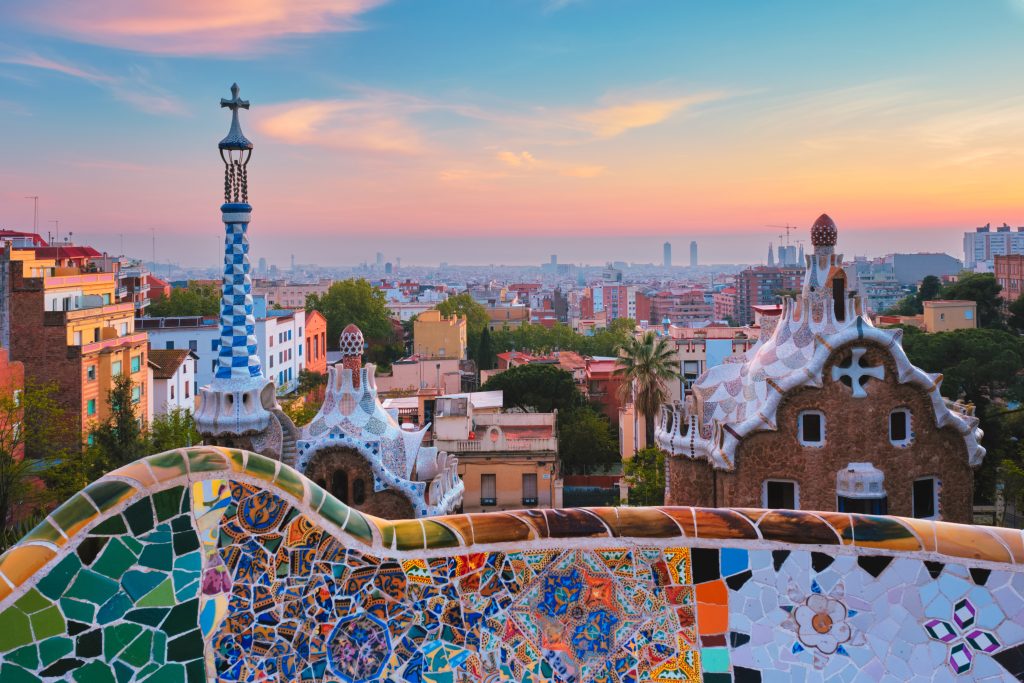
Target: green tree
<point>174,429</point>
<point>485,351</point>
<point>309,381</point>
<point>357,301</point>
<point>536,388</point>
<point>586,441</point>
<point>27,417</point>
<point>930,289</point>
<point>476,317</point>
<point>645,474</point>
<point>196,299</point>
<point>982,367</point>
<point>983,289</point>
<point>646,365</point>
<point>119,439</point>
<point>1016,311</point>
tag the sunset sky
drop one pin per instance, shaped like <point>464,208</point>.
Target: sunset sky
<point>596,129</point>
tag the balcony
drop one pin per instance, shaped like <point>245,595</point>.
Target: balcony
<point>501,445</point>
<point>129,340</point>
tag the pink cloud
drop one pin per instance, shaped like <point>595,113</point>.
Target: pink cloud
<point>366,125</point>
<point>191,27</point>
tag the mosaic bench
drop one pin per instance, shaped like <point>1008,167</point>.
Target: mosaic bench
<point>216,564</point>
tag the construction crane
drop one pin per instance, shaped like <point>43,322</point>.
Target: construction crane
<point>787,227</point>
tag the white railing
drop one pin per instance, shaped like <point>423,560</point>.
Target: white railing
<point>501,445</point>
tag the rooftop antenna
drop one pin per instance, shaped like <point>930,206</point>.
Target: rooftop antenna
<point>57,223</point>
<point>35,213</point>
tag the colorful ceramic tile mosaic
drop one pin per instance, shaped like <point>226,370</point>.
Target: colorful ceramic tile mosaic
<point>215,564</point>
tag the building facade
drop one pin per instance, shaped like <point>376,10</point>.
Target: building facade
<point>316,342</point>
<point>825,412</point>
<point>984,244</point>
<point>437,336</point>
<point>507,461</point>
<point>760,285</point>
<point>945,315</point>
<point>289,294</point>
<point>1009,272</point>
<point>174,380</point>
<point>66,330</point>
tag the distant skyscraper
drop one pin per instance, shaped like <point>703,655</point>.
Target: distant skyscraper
<point>771,254</point>
<point>263,267</point>
<point>554,259</point>
<point>982,245</point>
<point>387,268</point>
<point>693,254</point>
<point>800,261</point>
<point>380,260</point>
<point>667,252</point>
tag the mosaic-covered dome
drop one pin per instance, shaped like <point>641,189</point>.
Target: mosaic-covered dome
<point>351,341</point>
<point>823,232</point>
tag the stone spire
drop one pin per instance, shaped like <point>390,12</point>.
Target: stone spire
<point>771,254</point>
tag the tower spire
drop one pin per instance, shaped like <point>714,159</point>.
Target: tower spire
<point>234,409</point>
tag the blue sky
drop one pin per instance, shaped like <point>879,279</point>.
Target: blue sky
<point>605,125</point>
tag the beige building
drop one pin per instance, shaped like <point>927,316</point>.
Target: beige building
<point>507,461</point>
<point>943,315</point>
<point>289,294</point>
<point>410,375</point>
<point>437,336</point>
<point>507,317</point>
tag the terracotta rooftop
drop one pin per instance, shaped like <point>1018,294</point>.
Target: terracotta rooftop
<point>166,362</point>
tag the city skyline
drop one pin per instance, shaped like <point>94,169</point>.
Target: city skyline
<point>374,106</point>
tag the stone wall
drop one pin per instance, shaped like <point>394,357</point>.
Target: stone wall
<point>324,469</point>
<point>856,430</point>
<point>222,565</point>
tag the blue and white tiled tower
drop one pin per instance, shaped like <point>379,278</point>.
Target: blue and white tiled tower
<point>239,408</point>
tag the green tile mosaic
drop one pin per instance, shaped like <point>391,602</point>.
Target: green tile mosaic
<point>89,644</point>
<point>92,587</point>
<point>90,548</point>
<point>168,465</point>
<point>123,672</point>
<point>94,672</point>
<point>149,616</point>
<point>161,596</point>
<point>117,637</point>
<point>45,532</point>
<point>27,656</point>
<point>205,460</point>
<point>290,482</point>
<point>14,674</point>
<point>157,556</point>
<point>114,609</point>
<point>159,647</point>
<point>48,622</point>
<point>359,527</point>
<point>185,542</point>
<point>261,466</point>
<point>186,647</point>
<point>168,503</point>
<point>138,583</point>
<point>106,494</point>
<point>139,516</point>
<point>52,649</point>
<point>171,673</point>
<point>181,618</point>
<point>57,579</point>
<point>138,653</point>
<point>78,610</point>
<point>111,527</point>
<point>74,514</point>
<point>32,601</point>
<point>15,629</point>
<point>115,559</point>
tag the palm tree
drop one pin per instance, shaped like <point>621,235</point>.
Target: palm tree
<point>646,364</point>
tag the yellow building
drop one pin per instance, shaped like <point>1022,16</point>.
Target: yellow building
<point>946,315</point>
<point>66,326</point>
<point>436,336</point>
<point>507,317</point>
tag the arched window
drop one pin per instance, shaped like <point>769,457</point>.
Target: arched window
<point>358,492</point>
<point>339,485</point>
<point>839,297</point>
